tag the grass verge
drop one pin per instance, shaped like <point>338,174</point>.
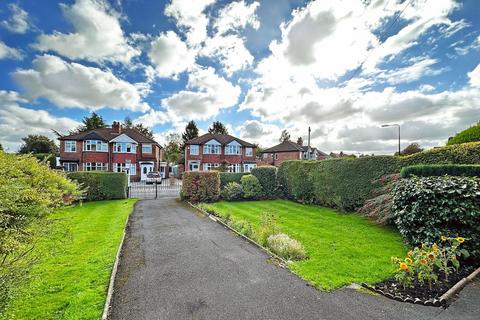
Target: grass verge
<point>72,282</point>
<point>341,248</point>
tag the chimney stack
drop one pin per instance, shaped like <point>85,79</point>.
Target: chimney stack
<point>309,137</point>
<point>117,127</point>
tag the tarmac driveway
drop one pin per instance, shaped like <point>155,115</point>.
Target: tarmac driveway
<point>177,264</point>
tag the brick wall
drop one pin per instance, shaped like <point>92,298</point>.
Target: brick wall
<point>218,158</point>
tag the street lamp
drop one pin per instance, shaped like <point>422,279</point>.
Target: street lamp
<point>394,125</point>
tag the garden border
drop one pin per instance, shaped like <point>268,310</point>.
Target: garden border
<point>113,275</point>
<point>441,302</point>
<point>283,264</point>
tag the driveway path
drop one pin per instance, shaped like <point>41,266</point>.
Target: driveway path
<point>177,264</point>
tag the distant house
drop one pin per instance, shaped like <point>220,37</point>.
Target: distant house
<point>114,149</point>
<point>210,151</point>
<point>289,150</point>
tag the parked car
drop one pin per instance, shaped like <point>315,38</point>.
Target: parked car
<point>153,177</point>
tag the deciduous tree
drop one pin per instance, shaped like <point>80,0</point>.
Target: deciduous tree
<point>285,136</point>
<point>35,143</point>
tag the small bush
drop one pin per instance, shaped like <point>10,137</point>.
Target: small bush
<point>241,226</point>
<point>232,191</point>
<point>429,170</point>
<point>203,186</point>
<point>426,208</point>
<point>268,227</point>
<point>267,176</point>
<point>226,177</point>
<point>286,247</point>
<point>251,187</point>
<point>101,185</point>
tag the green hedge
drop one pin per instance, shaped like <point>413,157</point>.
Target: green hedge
<point>50,158</point>
<point>347,183</point>
<point>467,135</point>
<point>201,186</point>
<point>101,185</point>
<point>252,189</point>
<point>226,177</point>
<point>426,208</point>
<point>267,176</point>
<point>428,170</point>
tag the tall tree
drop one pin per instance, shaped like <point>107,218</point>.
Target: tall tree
<point>191,131</point>
<point>300,141</point>
<point>91,122</point>
<point>173,150</point>
<point>285,136</point>
<point>35,143</point>
<point>128,123</point>
<point>218,128</point>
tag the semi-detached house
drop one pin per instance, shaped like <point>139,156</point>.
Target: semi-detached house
<point>210,151</point>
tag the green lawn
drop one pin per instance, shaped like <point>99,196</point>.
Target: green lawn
<point>342,248</point>
<point>72,282</point>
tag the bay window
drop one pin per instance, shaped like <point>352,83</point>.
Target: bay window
<point>121,167</point>
<point>210,166</point>
<point>211,149</point>
<point>95,145</point>
<point>232,149</point>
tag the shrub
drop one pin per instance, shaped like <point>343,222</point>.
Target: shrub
<point>101,185</point>
<point>49,158</point>
<point>226,177</point>
<point>241,226</point>
<point>232,191</point>
<point>426,208</point>
<point>286,247</point>
<point>428,170</point>
<point>29,191</point>
<point>468,135</point>
<point>267,176</point>
<point>268,226</point>
<point>203,186</point>
<point>379,206</point>
<point>251,187</point>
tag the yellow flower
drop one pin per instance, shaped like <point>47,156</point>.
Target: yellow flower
<point>460,239</point>
<point>408,260</point>
<point>443,238</point>
<point>403,266</point>
<point>423,261</point>
<point>431,256</point>
<point>435,248</point>
<point>410,253</point>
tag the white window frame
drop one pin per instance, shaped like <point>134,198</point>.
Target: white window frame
<point>147,148</point>
<point>212,149</point>
<point>237,167</point>
<point>95,166</point>
<point>232,149</point>
<point>123,147</point>
<point>194,149</point>
<point>248,151</point>
<point>210,166</point>
<point>275,156</point>
<point>70,146</point>
<point>121,167</point>
<point>100,146</point>
<point>67,166</point>
<point>247,167</point>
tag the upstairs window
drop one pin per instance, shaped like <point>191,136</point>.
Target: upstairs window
<point>70,146</point>
<point>232,149</point>
<point>146,148</point>
<point>95,145</point>
<point>248,152</point>
<point>194,150</point>
<point>212,149</point>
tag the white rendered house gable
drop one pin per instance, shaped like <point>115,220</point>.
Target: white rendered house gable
<point>123,138</point>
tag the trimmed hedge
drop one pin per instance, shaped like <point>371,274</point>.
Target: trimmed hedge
<point>201,186</point>
<point>49,158</point>
<point>226,177</point>
<point>101,185</point>
<point>347,183</point>
<point>467,135</point>
<point>429,170</point>
<point>426,208</point>
<point>267,176</point>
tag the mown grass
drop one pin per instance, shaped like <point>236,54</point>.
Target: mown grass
<point>72,282</point>
<point>341,248</point>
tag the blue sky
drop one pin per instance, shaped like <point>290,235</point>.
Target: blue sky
<point>341,67</point>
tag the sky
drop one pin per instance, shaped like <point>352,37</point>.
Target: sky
<point>342,67</point>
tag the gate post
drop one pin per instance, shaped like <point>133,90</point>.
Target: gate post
<point>156,189</point>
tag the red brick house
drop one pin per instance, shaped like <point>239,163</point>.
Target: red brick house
<point>210,151</point>
<point>289,150</point>
<point>112,149</point>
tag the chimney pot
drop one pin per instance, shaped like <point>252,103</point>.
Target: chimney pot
<point>117,127</point>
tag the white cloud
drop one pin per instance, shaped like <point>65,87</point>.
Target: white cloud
<point>18,22</point>
<point>98,35</point>
<point>190,16</point>
<point>207,94</point>
<point>170,55</point>
<point>7,52</point>
<point>237,15</point>
<point>475,45</point>
<point>474,77</point>
<point>75,85</point>
<point>152,118</point>
<point>17,122</point>
<point>264,134</point>
<point>425,88</point>
<point>230,51</point>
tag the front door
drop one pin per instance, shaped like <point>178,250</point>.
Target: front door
<point>146,168</point>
